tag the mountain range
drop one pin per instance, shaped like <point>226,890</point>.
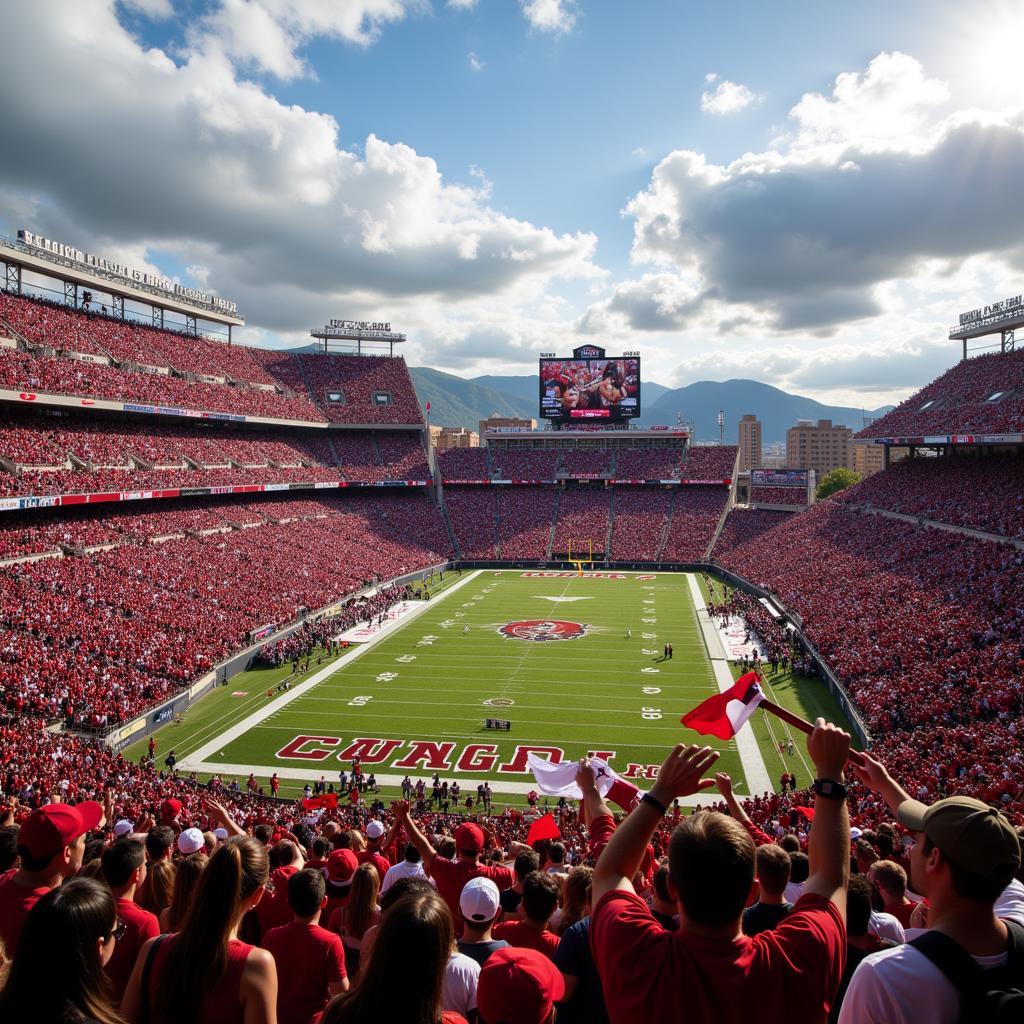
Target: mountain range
<point>463,402</point>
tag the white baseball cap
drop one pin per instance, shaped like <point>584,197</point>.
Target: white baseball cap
<point>124,828</point>
<point>375,829</point>
<point>220,833</point>
<point>480,900</point>
<point>191,841</point>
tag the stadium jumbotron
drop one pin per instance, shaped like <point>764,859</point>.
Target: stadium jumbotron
<point>304,718</point>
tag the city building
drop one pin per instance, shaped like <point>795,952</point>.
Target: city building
<point>819,446</point>
<point>750,442</point>
<point>509,423</point>
<point>454,437</point>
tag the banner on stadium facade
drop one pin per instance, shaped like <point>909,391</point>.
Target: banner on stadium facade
<point>262,631</point>
<point>9,504</point>
<point>446,481</point>
<point>324,484</point>
<point>725,483</point>
<point>778,478</point>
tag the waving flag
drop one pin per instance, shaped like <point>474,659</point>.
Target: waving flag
<point>545,827</point>
<point>724,714</point>
<point>327,801</point>
<point>559,779</point>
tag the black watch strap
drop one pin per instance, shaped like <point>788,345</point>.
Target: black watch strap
<point>831,788</point>
<point>655,803</point>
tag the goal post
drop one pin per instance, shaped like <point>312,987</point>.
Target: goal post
<point>581,558</point>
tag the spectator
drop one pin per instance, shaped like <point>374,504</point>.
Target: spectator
<point>124,868</point>
<point>519,986</point>
<point>583,1001</point>
<point>891,881</point>
<point>411,867</point>
<point>204,974</point>
<point>310,960</point>
<point>359,914</point>
<point>773,867</point>
<point>540,897</point>
<point>964,856</point>
<point>663,906</point>
<point>526,861</point>
<point>404,976</point>
<point>157,888</point>
<point>187,873</point>
<point>479,905</point>
<point>859,941</point>
<point>160,840</point>
<point>57,975</point>
<point>51,845</point>
<point>574,899</point>
<point>452,875</point>
<point>708,968</point>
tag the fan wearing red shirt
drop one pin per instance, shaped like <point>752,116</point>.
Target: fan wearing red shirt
<point>124,868</point>
<point>377,845</point>
<point>310,960</point>
<point>540,897</point>
<point>51,844</point>
<point>452,875</point>
<point>708,970</point>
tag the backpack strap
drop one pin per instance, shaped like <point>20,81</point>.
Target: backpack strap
<point>147,971</point>
<point>962,969</point>
<point>1015,955</point>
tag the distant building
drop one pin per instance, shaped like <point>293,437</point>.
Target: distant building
<point>821,447</point>
<point>454,437</point>
<point>496,422</point>
<point>867,458</point>
<point>750,442</point>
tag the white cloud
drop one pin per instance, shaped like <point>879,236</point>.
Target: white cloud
<point>727,97</point>
<point>268,34</point>
<point>462,5</point>
<point>156,9</point>
<point>475,62</point>
<point>555,16</point>
<point>639,151</point>
<point>261,195</point>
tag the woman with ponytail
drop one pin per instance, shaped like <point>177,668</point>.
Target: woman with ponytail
<point>359,915</point>
<point>204,975</point>
<point>405,972</point>
<point>57,975</point>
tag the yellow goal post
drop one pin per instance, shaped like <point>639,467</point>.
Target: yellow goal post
<point>580,559</point>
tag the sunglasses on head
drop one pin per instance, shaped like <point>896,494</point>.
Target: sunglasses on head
<point>119,930</point>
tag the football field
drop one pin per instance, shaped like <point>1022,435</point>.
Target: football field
<point>575,664</point>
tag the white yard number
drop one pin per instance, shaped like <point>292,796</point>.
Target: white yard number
<point>650,636</point>
<point>406,658</point>
<point>358,702</point>
<point>386,677</point>
<point>650,671</point>
<point>650,690</point>
<point>650,713</point>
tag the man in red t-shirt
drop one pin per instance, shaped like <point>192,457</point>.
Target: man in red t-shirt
<point>708,970</point>
<point>51,844</point>
<point>452,875</point>
<point>377,842</point>
<point>310,960</point>
<point>124,868</point>
<point>540,897</point>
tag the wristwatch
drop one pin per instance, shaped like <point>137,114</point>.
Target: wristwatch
<point>655,803</point>
<point>831,789</point>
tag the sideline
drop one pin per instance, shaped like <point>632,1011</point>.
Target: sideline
<point>758,780</point>
<point>196,761</point>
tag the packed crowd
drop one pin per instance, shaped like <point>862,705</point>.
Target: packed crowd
<point>238,379</point>
<point>982,493</point>
<point>95,640</point>
<point>473,513</point>
<point>582,521</point>
<point>463,464</point>
<point>639,524</point>
<point>586,463</point>
<point>524,521</point>
<point>165,901</point>
<point>743,525</point>
<point>796,496</point>
<point>696,512</point>
<point>924,632</point>
<point>653,464</point>
<point>980,395</point>
<point>710,462</point>
<point>520,464</point>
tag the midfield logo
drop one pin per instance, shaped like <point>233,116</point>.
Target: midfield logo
<point>543,629</point>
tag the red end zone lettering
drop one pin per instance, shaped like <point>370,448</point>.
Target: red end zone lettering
<point>518,765</point>
<point>641,771</point>
<point>369,751</point>
<point>477,757</point>
<point>294,751</point>
<point>606,755</point>
<point>434,756</point>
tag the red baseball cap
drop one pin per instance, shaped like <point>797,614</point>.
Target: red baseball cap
<point>469,837</point>
<point>341,866</point>
<point>170,809</point>
<point>518,986</point>
<point>47,830</point>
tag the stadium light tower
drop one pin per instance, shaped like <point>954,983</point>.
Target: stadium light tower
<point>721,426</point>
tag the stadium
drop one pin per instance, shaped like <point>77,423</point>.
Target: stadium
<point>254,618</point>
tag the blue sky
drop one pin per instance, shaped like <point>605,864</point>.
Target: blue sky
<point>803,194</point>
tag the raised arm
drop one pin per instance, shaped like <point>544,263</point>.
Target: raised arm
<point>828,848</point>
<point>680,775</point>
<point>400,808</point>
<point>593,803</point>
<point>875,775</point>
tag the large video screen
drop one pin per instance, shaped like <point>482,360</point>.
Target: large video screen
<point>582,389</point>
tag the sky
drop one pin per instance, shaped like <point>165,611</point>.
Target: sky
<point>806,195</point>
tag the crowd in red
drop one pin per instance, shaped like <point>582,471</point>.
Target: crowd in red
<point>639,525</point>
<point>463,463</point>
<point>710,462</point>
<point>979,492</point>
<point>582,521</point>
<point>745,524</point>
<point>979,395</point>
<point>696,512</point>
<point>648,464</point>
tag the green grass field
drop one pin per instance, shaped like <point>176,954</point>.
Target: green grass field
<point>427,687</point>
